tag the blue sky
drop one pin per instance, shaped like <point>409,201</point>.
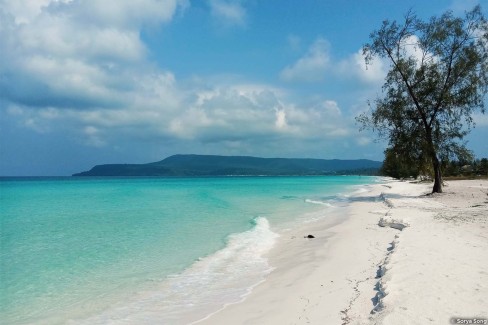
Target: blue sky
<point>85,82</point>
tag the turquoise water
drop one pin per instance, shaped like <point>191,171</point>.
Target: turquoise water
<point>143,250</point>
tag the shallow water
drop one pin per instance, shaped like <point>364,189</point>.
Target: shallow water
<point>141,250</point>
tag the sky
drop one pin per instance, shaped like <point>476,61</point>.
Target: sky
<point>87,82</point>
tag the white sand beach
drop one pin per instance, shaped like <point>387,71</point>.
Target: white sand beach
<point>400,257</point>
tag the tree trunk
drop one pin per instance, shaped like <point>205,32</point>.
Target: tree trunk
<point>437,175</point>
<point>435,163</point>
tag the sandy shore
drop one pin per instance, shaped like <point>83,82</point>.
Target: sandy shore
<point>399,257</point>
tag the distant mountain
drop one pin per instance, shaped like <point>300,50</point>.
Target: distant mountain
<point>204,165</point>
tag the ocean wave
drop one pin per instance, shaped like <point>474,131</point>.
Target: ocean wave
<point>362,189</point>
<point>212,282</point>
<point>318,202</point>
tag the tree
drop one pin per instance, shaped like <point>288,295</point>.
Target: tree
<point>484,166</point>
<point>438,77</point>
<point>396,166</point>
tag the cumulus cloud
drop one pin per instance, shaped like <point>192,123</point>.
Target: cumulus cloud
<point>312,66</point>
<point>24,11</point>
<point>316,65</point>
<point>375,72</point>
<point>63,67</point>
<point>355,67</point>
<point>75,54</point>
<point>231,112</point>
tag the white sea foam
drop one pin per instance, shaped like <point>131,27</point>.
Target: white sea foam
<point>360,189</point>
<point>318,202</point>
<point>212,282</point>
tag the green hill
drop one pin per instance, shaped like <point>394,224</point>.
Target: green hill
<point>205,165</point>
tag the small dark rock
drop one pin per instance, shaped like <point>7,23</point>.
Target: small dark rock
<point>310,236</point>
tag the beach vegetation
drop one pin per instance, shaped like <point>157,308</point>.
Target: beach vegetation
<point>465,168</point>
<point>437,79</point>
<point>399,166</point>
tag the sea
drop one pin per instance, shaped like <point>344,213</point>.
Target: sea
<point>81,250</point>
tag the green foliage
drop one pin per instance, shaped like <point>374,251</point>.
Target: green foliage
<point>400,167</point>
<point>397,166</point>
<point>466,167</point>
<point>438,77</point>
<point>483,166</point>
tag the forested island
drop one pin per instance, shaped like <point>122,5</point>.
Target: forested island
<point>210,165</point>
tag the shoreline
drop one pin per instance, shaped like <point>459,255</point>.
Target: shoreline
<point>357,272</point>
<point>139,292</point>
<point>336,217</point>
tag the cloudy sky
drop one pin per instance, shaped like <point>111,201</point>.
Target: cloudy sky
<point>85,82</point>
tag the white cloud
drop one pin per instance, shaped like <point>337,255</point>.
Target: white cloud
<point>331,108</point>
<point>414,51</point>
<point>231,112</point>
<point>67,69</point>
<point>216,114</point>
<point>375,71</point>
<point>93,137</point>
<point>24,10</point>
<point>259,110</point>
<point>124,14</point>
<point>312,66</point>
<point>281,119</point>
<point>355,67</point>
<point>76,54</point>
<point>229,12</point>
<point>316,65</point>
<point>363,141</point>
<point>102,13</point>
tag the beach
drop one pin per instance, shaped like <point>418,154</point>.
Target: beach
<point>257,250</point>
<point>401,256</point>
